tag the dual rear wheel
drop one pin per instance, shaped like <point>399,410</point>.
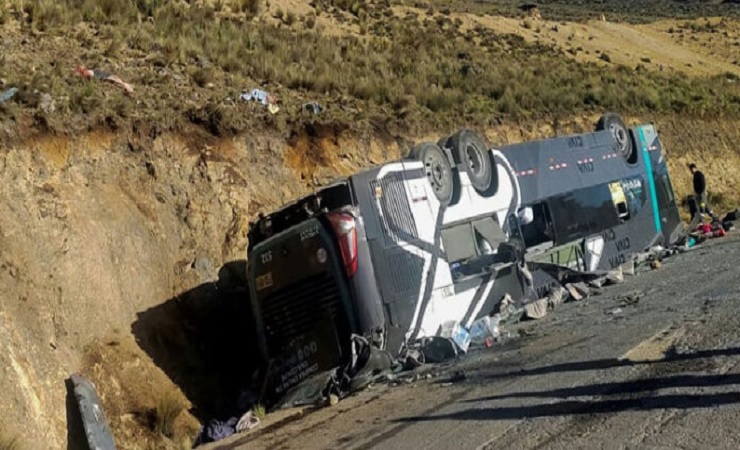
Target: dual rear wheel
<point>467,151</point>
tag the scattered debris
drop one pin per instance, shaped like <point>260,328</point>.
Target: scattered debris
<point>524,332</point>
<point>630,299</point>
<point>47,104</point>
<point>484,330</point>
<point>457,333</point>
<point>508,311</point>
<point>103,75</point>
<point>456,377</point>
<point>411,358</point>
<point>538,309</point>
<point>438,349</point>
<point>578,291</point>
<point>248,421</point>
<point>8,94</point>
<point>216,430</point>
<point>267,99</point>
<point>311,107</point>
<point>333,399</point>
<point>368,364</point>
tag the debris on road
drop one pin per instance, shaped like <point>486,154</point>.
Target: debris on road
<point>457,333</point>
<point>484,330</point>
<point>578,291</point>
<point>411,358</point>
<point>538,309</point>
<point>456,377</point>
<point>439,349</point>
<point>630,299</point>
<point>103,75</point>
<point>216,430</point>
<point>247,422</point>
<point>8,94</point>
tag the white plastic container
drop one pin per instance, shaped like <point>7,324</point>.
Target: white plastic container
<point>453,330</point>
<point>483,329</point>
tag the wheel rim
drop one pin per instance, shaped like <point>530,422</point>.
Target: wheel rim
<point>473,160</point>
<point>435,172</point>
<point>620,136</point>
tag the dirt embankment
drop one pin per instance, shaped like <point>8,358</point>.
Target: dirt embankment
<point>113,250</point>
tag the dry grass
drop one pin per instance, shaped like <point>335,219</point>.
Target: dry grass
<point>474,75</point>
<point>169,406</point>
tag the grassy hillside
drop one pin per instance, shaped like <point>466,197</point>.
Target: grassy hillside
<point>364,61</point>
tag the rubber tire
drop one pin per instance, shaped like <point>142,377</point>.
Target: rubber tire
<point>443,142</point>
<point>620,133</point>
<point>437,170</point>
<point>472,153</point>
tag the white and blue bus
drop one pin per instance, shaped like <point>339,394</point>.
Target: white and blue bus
<point>394,251</point>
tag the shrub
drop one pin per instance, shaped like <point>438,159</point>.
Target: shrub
<point>167,410</point>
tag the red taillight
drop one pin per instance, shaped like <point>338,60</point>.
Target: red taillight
<point>346,231</point>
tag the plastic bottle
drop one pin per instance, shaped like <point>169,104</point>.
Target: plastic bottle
<point>484,331</point>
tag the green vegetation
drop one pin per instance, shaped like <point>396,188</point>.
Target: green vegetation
<point>259,411</point>
<point>422,68</point>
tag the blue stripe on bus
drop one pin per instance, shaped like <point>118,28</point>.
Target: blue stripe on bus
<point>651,180</point>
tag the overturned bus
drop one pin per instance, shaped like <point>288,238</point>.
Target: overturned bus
<point>393,252</point>
<point>591,201</point>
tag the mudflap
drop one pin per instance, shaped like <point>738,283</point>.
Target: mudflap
<point>98,433</point>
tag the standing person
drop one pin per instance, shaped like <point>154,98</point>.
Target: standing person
<point>700,191</point>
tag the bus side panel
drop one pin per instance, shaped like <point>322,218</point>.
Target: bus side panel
<point>555,166</point>
<point>364,290</point>
<point>398,264</point>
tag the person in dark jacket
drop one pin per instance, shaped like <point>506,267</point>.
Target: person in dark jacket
<point>700,191</point>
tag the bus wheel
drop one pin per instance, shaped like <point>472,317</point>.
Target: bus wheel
<point>443,142</point>
<point>437,170</point>
<point>614,123</point>
<point>472,152</point>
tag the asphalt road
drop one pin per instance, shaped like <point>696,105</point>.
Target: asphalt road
<point>608,372</point>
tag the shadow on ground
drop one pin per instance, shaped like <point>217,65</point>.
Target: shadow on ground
<point>578,407</point>
<point>634,395</point>
<point>204,341</point>
<point>609,363</point>
<point>76,439</point>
